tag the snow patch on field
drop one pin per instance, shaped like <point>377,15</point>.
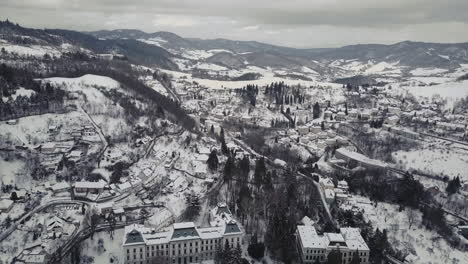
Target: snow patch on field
<point>383,67</point>
<point>210,67</point>
<point>305,69</point>
<point>33,50</point>
<point>20,92</point>
<point>427,71</point>
<point>154,41</point>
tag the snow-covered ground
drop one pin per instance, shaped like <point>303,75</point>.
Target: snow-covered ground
<point>11,172</point>
<point>436,159</point>
<point>86,84</point>
<point>429,247</point>
<point>268,76</point>
<point>33,130</point>
<point>110,249</point>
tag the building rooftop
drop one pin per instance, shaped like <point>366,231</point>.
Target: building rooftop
<point>134,237</point>
<point>232,227</point>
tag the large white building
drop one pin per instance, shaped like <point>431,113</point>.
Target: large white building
<point>183,243</point>
<point>313,247</point>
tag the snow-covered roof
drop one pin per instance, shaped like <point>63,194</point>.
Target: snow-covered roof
<point>90,185</point>
<point>39,258</point>
<point>60,186</point>
<point>353,237</point>
<point>184,225</point>
<point>307,221</point>
<point>5,204</point>
<point>309,237</point>
<point>335,237</point>
<point>125,186</point>
<point>348,237</point>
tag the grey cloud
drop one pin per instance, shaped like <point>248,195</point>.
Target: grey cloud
<point>299,22</point>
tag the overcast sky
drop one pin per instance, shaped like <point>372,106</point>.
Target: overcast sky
<point>296,23</point>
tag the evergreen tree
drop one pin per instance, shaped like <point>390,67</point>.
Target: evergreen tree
<point>228,169</point>
<point>355,259</point>
<point>224,147</point>
<point>213,161</point>
<point>260,172</point>
<point>316,111</point>
<point>453,186</point>
<point>334,257</point>
<point>244,166</point>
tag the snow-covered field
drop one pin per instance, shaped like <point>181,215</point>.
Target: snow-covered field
<point>450,90</point>
<point>86,84</point>
<point>429,247</point>
<point>268,76</point>
<point>427,71</point>
<point>435,159</point>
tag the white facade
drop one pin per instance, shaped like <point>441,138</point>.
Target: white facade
<point>313,247</point>
<point>182,244</point>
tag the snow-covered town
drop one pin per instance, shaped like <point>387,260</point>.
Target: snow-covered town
<point>126,147</point>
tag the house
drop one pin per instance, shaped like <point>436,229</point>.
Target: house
<point>5,205</point>
<point>119,213</point>
<point>340,116</point>
<point>146,173</point>
<point>316,129</point>
<point>92,187</point>
<point>48,147</point>
<point>12,122</point>
<point>60,187</point>
<point>54,227</point>
<point>75,155</point>
<point>353,113</point>
<point>302,130</point>
<point>200,169</point>
<point>105,208</point>
<point>203,150</point>
<point>326,184</point>
<point>343,185</point>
